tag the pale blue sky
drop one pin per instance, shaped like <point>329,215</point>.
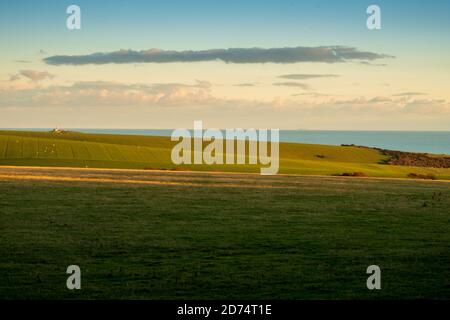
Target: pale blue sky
<point>409,90</point>
<point>196,24</point>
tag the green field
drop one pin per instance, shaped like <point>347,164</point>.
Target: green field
<point>190,235</point>
<point>141,152</point>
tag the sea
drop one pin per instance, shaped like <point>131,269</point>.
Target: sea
<point>437,142</point>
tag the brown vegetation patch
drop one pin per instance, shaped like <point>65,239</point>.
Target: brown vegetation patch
<point>353,174</point>
<point>412,159</point>
<point>422,176</point>
<point>401,158</point>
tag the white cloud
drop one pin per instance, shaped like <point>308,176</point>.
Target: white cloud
<point>428,107</point>
<point>199,95</point>
<point>100,93</point>
<point>32,75</point>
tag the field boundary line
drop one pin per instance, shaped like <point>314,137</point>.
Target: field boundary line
<point>6,177</point>
<point>190,172</point>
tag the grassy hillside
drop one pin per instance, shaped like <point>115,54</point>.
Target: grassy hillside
<point>141,152</point>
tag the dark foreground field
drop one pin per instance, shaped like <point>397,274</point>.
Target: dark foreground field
<point>164,235</point>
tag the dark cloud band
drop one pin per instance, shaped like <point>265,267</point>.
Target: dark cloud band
<point>326,54</point>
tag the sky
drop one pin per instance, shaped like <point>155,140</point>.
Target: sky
<point>253,64</point>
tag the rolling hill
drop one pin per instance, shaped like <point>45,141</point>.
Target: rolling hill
<point>73,149</point>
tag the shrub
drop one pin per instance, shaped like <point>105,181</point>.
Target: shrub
<point>428,176</point>
<point>353,174</point>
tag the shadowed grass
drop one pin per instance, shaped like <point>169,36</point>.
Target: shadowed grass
<point>314,239</point>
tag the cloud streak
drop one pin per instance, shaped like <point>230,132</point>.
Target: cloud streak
<point>245,85</point>
<point>104,93</point>
<point>409,94</point>
<point>292,84</point>
<point>307,76</point>
<point>324,54</point>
